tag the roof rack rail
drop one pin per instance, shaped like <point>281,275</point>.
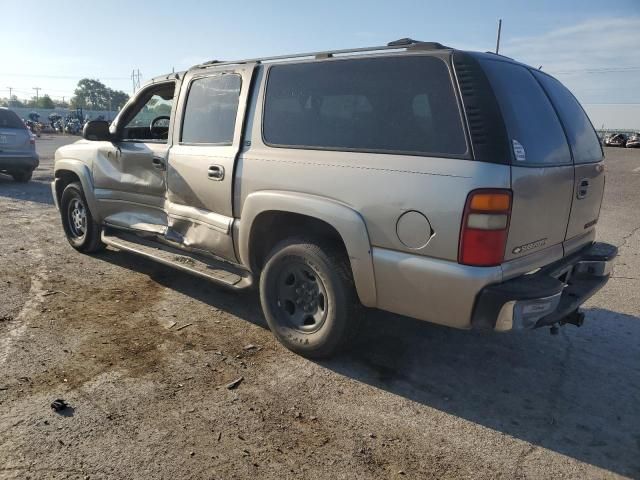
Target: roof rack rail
<point>403,43</point>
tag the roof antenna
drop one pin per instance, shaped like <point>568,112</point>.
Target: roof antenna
<point>498,39</point>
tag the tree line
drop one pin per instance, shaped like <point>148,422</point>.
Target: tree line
<point>89,94</point>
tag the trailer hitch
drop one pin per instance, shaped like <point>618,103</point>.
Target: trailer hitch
<point>574,318</point>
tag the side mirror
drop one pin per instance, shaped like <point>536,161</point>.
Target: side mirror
<point>96,130</point>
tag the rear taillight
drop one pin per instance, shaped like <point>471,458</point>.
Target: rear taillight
<point>485,225</point>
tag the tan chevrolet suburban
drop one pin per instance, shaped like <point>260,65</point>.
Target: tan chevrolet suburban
<point>456,187</point>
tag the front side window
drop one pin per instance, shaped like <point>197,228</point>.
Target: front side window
<point>150,117</point>
<point>390,104</point>
<point>536,134</point>
<point>211,110</point>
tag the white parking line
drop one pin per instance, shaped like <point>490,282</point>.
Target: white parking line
<point>28,311</point>
<point>636,170</point>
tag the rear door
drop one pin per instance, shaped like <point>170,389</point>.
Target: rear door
<point>542,173</point>
<point>588,160</point>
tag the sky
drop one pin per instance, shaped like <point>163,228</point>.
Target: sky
<point>591,46</point>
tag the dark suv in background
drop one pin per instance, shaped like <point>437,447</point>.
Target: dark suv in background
<point>18,156</point>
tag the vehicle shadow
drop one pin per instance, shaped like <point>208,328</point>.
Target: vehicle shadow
<point>37,190</point>
<point>244,304</point>
<point>576,393</point>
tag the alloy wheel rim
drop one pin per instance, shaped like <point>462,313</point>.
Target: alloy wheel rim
<point>301,297</point>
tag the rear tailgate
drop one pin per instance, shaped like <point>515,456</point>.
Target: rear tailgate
<point>14,140</point>
<point>588,160</point>
<point>542,172</point>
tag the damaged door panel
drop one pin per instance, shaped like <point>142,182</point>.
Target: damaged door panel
<point>201,161</point>
<point>130,174</point>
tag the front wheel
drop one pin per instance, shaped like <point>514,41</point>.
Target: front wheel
<point>308,297</point>
<point>79,227</point>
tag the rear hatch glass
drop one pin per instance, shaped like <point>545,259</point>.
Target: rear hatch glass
<point>9,119</point>
<point>542,174</point>
<point>13,133</point>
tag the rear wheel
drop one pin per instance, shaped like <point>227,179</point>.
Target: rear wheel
<point>22,177</point>
<point>308,297</point>
<point>79,227</point>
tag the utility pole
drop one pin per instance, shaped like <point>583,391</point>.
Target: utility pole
<point>37,89</point>
<point>135,79</point>
<point>10,97</point>
<point>498,39</point>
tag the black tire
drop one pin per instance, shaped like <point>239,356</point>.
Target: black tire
<point>308,297</point>
<point>82,232</point>
<point>22,177</point>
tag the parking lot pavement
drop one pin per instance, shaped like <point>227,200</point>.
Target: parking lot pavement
<point>411,400</point>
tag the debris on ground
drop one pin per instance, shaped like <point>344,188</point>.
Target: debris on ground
<point>235,383</point>
<point>251,346</point>
<point>183,326</point>
<point>59,404</point>
<point>53,292</point>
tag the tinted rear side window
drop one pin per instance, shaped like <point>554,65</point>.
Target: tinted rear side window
<point>9,119</point>
<point>396,104</point>
<point>212,107</point>
<point>582,137</point>
<point>536,133</point>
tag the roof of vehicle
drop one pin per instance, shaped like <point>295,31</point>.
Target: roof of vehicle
<point>408,45</point>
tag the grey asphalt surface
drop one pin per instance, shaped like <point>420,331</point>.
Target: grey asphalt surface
<point>411,400</point>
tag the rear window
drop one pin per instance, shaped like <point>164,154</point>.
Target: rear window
<point>393,104</point>
<point>537,136</point>
<point>9,119</point>
<point>582,136</point>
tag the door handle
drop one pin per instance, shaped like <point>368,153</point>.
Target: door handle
<point>583,188</point>
<point>158,163</point>
<point>215,172</point>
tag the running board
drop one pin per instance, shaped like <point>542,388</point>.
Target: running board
<point>215,270</point>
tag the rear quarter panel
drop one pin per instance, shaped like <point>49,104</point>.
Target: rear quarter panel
<point>380,187</point>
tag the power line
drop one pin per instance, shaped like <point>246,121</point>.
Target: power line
<point>598,70</point>
<point>63,77</point>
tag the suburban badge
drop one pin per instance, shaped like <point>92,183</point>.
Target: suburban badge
<point>529,246</point>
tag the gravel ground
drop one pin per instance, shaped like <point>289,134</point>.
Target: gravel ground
<point>411,400</point>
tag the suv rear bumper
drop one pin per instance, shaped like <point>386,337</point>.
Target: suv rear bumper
<point>15,162</point>
<point>547,296</point>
